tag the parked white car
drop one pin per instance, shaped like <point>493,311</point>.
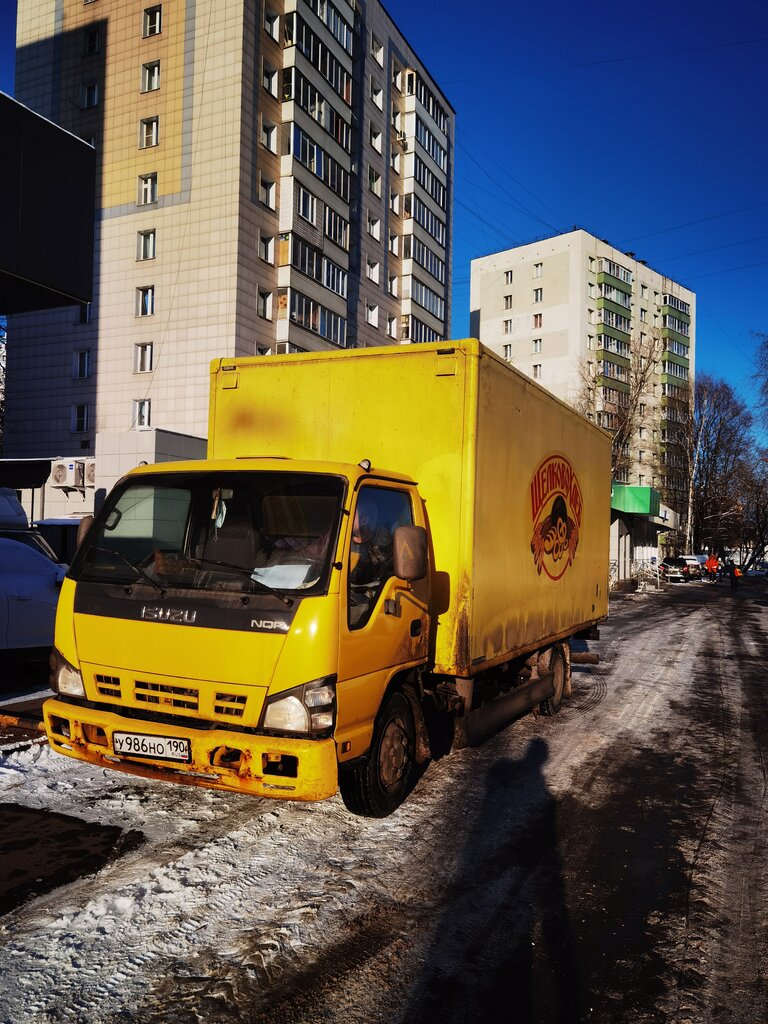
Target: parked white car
<point>29,592</point>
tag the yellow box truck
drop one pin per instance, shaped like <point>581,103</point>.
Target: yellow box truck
<point>381,542</point>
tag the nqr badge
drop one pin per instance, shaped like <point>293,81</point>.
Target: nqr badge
<point>556,510</point>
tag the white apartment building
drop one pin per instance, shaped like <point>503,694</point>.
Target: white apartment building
<point>274,176</point>
<point>582,318</point>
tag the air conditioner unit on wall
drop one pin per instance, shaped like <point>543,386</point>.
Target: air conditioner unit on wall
<point>89,472</point>
<point>67,473</point>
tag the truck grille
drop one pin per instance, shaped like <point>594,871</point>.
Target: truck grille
<point>232,704</point>
<point>108,686</point>
<point>166,695</point>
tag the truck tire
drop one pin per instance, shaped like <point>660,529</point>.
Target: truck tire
<point>376,785</point>
<point>558,665</point>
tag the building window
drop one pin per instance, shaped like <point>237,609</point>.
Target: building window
<point>150,76</point>
<point>307,205</point>
<point>152,21</point>
<point>538,294</point>
<point>264,304</point>
<point>374,227</point>
<point>507,326</point>
<point>377,50</point>
<point>145,245</point>
<point>79,419</point>
<point>269,136</point>
<point>507,302</point>
<point>147,189</point>
<point>149,132</point>
<point>89,95</point>
<point>143,357</point>
<point>90,41</point>
<point>537,318</point>
<point>375,138</point>
<point>537,269</point>
<point>392,326</point>
<point>394,202</point>
<point>537,371</point>
<point>86,312</point>
<point>267,193</point>
<point>145,300</point>
<point>394,244</point>
<point>269,80</point>
<point>590,341</point>
<point>267,248</point>
<point>537,344</point>
<point>377,94</point>
<point>394,161</point>
<point>507,277</point>
<point>271,23</point>
<point>372,314</point>
<point>372,271</point>
<point>393,285</point>
<point>507,350</point>
<point>81,363</point>
<point>643,315</point>
<point>142,412</point>
<point>374,181</point>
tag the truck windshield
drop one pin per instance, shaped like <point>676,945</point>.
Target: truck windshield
<point>245,532</point>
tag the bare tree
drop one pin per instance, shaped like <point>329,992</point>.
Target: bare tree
<point>618,401</point>
<point>722,452</point>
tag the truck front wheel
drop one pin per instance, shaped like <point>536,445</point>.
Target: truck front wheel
<point>377,784</point>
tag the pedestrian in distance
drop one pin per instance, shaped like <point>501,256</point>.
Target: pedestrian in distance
<point>732,573</point>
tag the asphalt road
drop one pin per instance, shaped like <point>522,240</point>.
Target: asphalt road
<point>608,865</point>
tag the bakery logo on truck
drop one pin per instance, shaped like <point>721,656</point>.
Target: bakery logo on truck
<point>556,510</point>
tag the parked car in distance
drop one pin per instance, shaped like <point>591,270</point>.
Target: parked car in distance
<point>29,592</point>
<point>674,569</point>
<point>695,571</point>
<point>61,535</point>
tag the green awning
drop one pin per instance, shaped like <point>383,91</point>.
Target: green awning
<point>639,501</point>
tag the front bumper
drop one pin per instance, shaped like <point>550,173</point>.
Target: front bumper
<point>266,766</point>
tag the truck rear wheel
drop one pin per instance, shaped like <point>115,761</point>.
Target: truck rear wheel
<point>377,784</point>
<point>558,666</point>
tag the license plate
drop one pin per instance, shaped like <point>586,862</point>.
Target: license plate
<point>159,748</point>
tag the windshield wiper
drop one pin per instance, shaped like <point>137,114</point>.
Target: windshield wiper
<point>139,572</point>
<point>287,601</point>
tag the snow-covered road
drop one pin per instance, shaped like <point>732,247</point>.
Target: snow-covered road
<point>511,879</point>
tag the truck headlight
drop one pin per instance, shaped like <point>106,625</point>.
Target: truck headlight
<point>63,677</point>
<point>308,710</point>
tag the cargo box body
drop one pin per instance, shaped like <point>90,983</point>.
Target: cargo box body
<point>516,485</point>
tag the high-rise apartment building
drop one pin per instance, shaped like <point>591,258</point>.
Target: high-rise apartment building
<point>605,333</point>
<point>273,176</point>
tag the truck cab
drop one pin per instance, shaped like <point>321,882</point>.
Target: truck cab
<point>240,622</point>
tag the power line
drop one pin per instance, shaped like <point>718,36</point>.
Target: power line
<point>701,220</point>
<point>715,248</point>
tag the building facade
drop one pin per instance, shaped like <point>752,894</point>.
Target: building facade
<point>605,333</point>
<point>273,176</point>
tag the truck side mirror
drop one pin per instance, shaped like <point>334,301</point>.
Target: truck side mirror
<point>83,528</point>
<point>410,553</point>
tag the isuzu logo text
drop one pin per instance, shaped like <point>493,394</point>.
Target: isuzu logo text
<point>156,613</point>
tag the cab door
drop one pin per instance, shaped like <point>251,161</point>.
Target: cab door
<point>384,624</point>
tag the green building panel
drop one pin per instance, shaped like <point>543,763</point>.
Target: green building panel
<point>615,307</point>
<point>673,357</point>
<point>678,382</point>
<point>612,332</point>
<point>671,311</point>
<point>610,382</point>
<point>612,357</point>
<point>669,332</point>
<point>603,278</point>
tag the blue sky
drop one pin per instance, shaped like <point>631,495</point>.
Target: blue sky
<point>644,124</point>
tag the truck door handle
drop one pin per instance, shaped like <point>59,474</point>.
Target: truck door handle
<point>416,627</point>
